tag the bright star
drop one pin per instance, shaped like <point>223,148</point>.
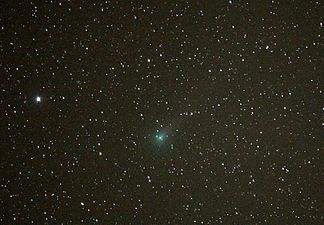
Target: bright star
<point>38,99</point>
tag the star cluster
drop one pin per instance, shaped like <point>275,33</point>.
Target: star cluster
<point>161,112</point>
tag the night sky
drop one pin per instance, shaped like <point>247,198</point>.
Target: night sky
<point>161,112</point>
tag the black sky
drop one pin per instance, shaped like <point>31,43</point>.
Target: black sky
<point>233,87</point>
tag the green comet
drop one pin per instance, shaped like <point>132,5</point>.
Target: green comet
<point>160,137</point>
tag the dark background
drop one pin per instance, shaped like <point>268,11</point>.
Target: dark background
<point>232,86</point>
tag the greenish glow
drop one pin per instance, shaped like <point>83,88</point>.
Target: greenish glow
<point>159,137</point>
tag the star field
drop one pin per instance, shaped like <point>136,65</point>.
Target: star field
<point>161,112</point>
